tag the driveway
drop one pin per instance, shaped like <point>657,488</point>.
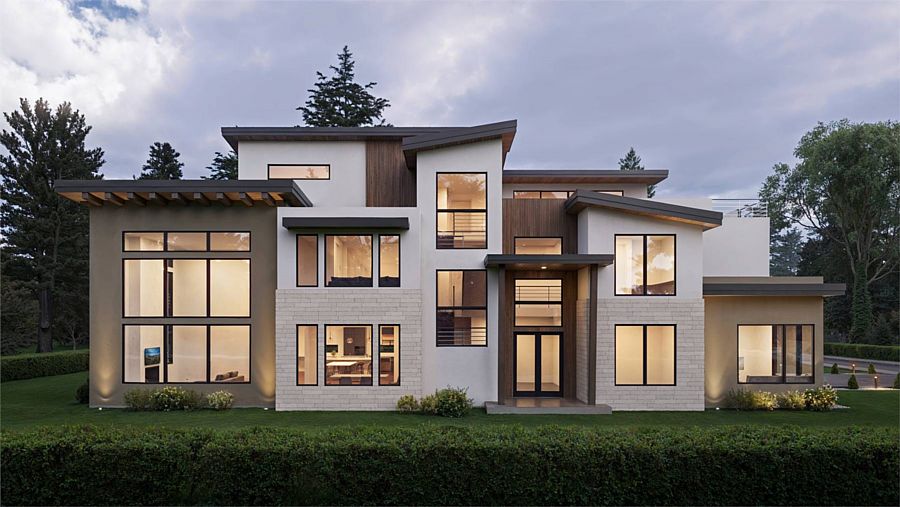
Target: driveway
<point>886,368</point>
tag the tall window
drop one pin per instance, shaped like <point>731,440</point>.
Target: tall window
<point>645,355</point>
<point>299,172</point>
<point>462,210</point>
<point>389,355</point>
<point>538,246</point>
<point>348,261</point>
<point>538,302</point>
<point>307,260</point>
<point>229,354</point>
<point>645,265</point>
<point>461,308</point>
<point>389,261</point>
<point>348,355</point>
<point>143,291</point>
<point>307,362</point>
<point>776,354</point>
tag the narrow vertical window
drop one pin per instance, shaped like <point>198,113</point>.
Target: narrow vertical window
<point>229,287</point>
<point>186,354</point>
<point>307,260</point>
<point>229,354</point>
<point>143,294</point>
<point>348,261</point>
<point>388,355</point>
<point>307,356</point>
<point>186,279</point>
<point>389,261</point>
<point>142,354</point>
<point>461,210</point>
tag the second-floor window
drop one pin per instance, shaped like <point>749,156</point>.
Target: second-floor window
<point>461,210</point>
<point>538,246</point>
<point>299,172</point>
<point>461,308</point>
<point>645,265</point>
<point>348,261</point>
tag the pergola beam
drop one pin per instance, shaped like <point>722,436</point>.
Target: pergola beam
<point>201,199</point>
<point>267,198</point>
<point>91,199</point>
<point>178,197</point>
<point>244,198</point>
<point>223,198</point>
<point>157,198</point>
<point>137,199</point>
<point>113,198</point>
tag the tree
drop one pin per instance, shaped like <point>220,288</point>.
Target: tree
<point>163,163</point>
<point>223,167</point>
<point>845,188</point>
<point>784,256</point>
<point>632,162</point>
<point>338,101</point>
<point>45,240</point>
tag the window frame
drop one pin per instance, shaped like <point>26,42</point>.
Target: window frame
<point>737,357</point>
<point>297,354</point>
<point>325,355</point>
<point>644,359</point>
<point>644,277</point>
<point>396,355</point>
<point>438,211</point>
<point>371,262</point>
<point>164,353</point>
<point>438,308</point>
<point>297,259</point>
<point>560,238</point>
<point>269,171</point>
<point>165,241</point>
<point>516,303</point>
<point>399,261</point>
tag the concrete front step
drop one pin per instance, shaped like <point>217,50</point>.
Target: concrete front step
<point>537,406</point>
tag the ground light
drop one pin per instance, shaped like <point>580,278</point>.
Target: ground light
<point>876,381</point>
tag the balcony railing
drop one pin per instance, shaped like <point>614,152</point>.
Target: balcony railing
<point>741,208</point>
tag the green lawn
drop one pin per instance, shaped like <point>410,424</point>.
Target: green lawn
<point>49,401</point>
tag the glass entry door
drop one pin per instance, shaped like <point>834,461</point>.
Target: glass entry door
<point>538,364</point>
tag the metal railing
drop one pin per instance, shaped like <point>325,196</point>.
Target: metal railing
<point>462,229</point>
<point>741,208</point>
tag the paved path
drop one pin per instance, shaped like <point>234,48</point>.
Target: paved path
<point>886,368</point>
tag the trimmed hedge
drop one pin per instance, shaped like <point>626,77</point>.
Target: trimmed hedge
<point>863,351</point>
<point>25,366</point>
<point>452,465</point>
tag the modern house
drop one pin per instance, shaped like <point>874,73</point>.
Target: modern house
<point>349,266</point>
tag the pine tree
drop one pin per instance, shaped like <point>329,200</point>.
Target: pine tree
<point>632,162</point>
<point>784,258</point>
<point>338,101</point>
<point>163,163</point>
<point>45,240</point>
<point>223,167</point>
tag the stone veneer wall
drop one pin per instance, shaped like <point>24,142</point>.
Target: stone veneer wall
<point>582,325</point>
<point>688,316</point>
<point>346,306</point>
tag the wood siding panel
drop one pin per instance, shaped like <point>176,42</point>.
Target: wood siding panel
<point>538,218</point>
<point>389,182</point>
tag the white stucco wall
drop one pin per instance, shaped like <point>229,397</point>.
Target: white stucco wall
<point>347,186</point>
<point>629,189</point>
<point>740,247</point>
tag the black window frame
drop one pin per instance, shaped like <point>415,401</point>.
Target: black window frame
<point>784,375</point>
<point>516,304</point>
<point>165,241</point>
<point>297,259</point>
<point>397,346</point>
<point>371,262</point>
<point>270,166</point>
<point>325,355</point>
<point>438,211</point>
<point>399,260</point>
<point>644,275</point>
<point>439,308</point>
<point>297,354</point>
<point>644,351</point>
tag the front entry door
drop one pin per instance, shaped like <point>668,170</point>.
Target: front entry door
<point>538,366</point>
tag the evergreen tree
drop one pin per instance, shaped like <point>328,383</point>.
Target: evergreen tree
<point>784,255</point>
<point>632,162</point>
<point>163,163</point>
<point>223,167</point>
<point>338,101</point>
<point>45,240</point>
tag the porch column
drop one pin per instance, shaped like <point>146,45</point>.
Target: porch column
<point>502,335</point>
<point>592,337</point>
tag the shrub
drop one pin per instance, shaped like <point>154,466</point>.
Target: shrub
<point>174,398</point>
<point>871,369</point>
<point>834,369</point>
<point>428,404</point>
<point>25,366</point>
<point>407,403</point>
<point>852,383</point>
<point>791,400</point>
<point>743,399</point>
<point>447,465</point>
<point>820,399</point>
<point>83,393</point>
<point>220,400</point>
<point>863,351</point>
<point>897,381</point>
<point>453,402</point>
<point>138,399</point>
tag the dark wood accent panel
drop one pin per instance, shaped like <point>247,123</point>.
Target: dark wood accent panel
<point>507,327</point>
<point>389,183</point>
<point>538,217</point>
<point>592,336</point>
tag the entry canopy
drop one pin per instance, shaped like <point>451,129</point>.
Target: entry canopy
<point>564,262</point>
<point>100,193</point>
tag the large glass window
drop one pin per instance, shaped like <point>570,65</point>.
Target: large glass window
<point>307,356</point>
<point>389,355</point>
<point>645,265</point>
<point>461,308</point>
<point>538,246</point>
<point>775,354</point>
<point>461,210</point>
<point>143,287</point>
<point>229,354</point>
<point>299,172</point>
<point>645,355</point>
<point>389,261</point>
<point>187,287</point>
<point>307,260</point>
<point>348,355</point>
<point>153,354</point>
<point>229,287</point>
<point>186,354</point>
<point>348,261</point>
<point>538,302</point>
<point>142,354</point>
<point>186,241</point>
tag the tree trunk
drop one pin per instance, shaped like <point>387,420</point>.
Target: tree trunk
<point>45,334</point>
<point>861,311</point>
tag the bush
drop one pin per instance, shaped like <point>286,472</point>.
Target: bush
<point>862,351</point>
<point>852,383</point>
<point>447,465</point>
<point>791,400</point>
<point>138,399</point>
<point>83,393</point>
<point>428,404</point>
<point>871,369</point>
<point>742,399</point>
<point>220,400</point>
<point>407,403</point>
<point>453,402</point>
<point>834,369</point>
<point>25,366</point>
<point>897,381</point>
<point>174,398</point>
<point>820,399</point>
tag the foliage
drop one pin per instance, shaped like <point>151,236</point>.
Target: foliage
<point>834,369</point>
<point>871,369</point>
<point>852,383</point>
<point>453,402</point>
<point>45,236</point>
<point>83,393</point>
<point>746,399</point>
<point>428,404</point>
<point>791,400</point>
<point>338,101</point>
<point>440,465</point>
<point>784,256</point>
<point>219,400</point>
<point>25,366</point>
<point>223,167</point>
<point>820,399</point>
<point>897,382</point>
<point>407,403</point>
<point>632,162</point>
<point>162,164</point>
<point>861,351</point>
<point>138,399</point>
<point>170,398</point>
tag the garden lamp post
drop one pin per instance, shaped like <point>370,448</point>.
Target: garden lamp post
<point>876,381</point>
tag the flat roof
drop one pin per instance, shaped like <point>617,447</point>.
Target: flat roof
<point>401,223</point>
<point>583,199</point>
<point>770,286</point>
<point>648,177</point>
<point>183,192</point>
<point>555,262</point>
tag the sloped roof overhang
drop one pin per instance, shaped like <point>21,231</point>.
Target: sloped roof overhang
<point>583,199</point>
<point>183,192</point>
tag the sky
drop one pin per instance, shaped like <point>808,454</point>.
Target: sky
<point>715,92</point>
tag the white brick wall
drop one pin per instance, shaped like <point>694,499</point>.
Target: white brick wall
<point>582,325</point>
<point>687,315</point>
<point>346,306</point>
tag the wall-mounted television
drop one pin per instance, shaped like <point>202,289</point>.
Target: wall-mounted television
<point>151,356</point>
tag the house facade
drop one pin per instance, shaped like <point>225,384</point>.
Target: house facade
<point>347,267</point>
